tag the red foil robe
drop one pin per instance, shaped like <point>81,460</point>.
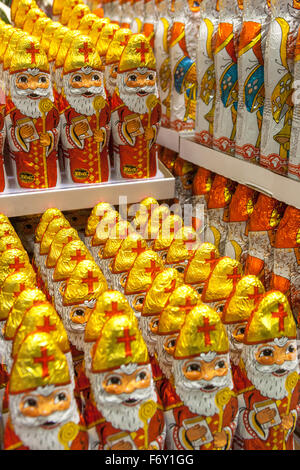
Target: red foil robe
<point>109,436</point>
<point>13,442</point>
<point>29,156</point>
<point>253,436</point>
<point>134,160</point>
<point>179,419</point>
<point>83,152</point>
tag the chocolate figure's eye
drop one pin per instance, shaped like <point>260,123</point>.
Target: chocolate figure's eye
<point>132,78</point>
<point>77,78</point>
<point>115,69</point>
<point>290,349</point>
<point>150,76</point>
<point>114,380</point>
<point>266,352</point>
<point>241,330</point>
<point>61,396</point>
<point>23,79</point>
<point>96,77</point>
<point>43,79</point>
<point>180,269</point>
<point>194,367</point>
<point>79,312</point>
<point>141,376</point>
<point>220,365</point>
<point>171,344</point>
<point>30,402</point>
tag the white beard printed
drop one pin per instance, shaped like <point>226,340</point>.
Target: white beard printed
<point>198,401</point>
<point>81,104</point>
<point>120,416</point>
<point>235,348</point>
<point>262,377</point>
<point>165,361</point>
<point>128,95</point>
<point>25,105</point>
<point>110,82</point>
<point>30,430</point>
<point>149,338</point>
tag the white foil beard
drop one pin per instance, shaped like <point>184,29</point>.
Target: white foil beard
<point>81,104</point>
<point>262,377</point>
<point>120,416</point>
<point>128,95</point>
<point>26,105</point>
<point>235,348</point>
<point>149,338</point>
<point>30,430</point>
<point>110,82</point>
<point>75,331</point>
<point>199,402</point>
<point>165,361</point>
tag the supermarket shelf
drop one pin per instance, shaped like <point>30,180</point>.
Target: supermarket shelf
<point>277,186</point>
<point>168,138</point>
<point>16,202</point>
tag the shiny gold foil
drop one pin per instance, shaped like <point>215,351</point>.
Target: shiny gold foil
<point>11,48</point>
<point>128,252</point>
<point>146,206</point>
<point>71,254</point>
<point>39,27</point>
<point>22,7</point>
<point>31,18</point>
<point>65,47</point>
<point>5,39</point>
<point>154,223</point>
<point>185,242</point>
<point>12,287</point>
<point>53,227</point>
<point>110,303</point>
<point>201,264</point>
<point>45,219</point>
<point>104,226</point>
<point>117,46</point>
<point>105,37</point>
<point>98,212</point>
<point>202,332</point>
<point>63,236</point>
<point>19,13</point>
<point>55,43</point>
<point>76,16</point>
<point>66,12</point>
<point>183,167</point>
<point>143,271</point>
<point>137,53</point>
<point>169,226</point>
<point>160,290</point>
<point>97,28</point>
<point>10,241</point>
<point>48,35</point>
<point>82,53</point>
<point>222,280</point>
<point>244,299</point>
<point>6,229</point>
<point>272,318</point>
<point>42,318</point>
<point>40,362</point>
<point>180,303</point>
<point>86,24</point>
<point>86,283</point>
<point>4,219</point>
<point>120,343</point>
<point>12,261</point>
<point>116,236</point>
<point>24,302</point>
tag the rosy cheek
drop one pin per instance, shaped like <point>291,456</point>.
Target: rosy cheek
<point>113,389</point>
<point>30,412</point>
<point>195,375</point>
<point>221,372</point>
<point>265,360</point>
<point>76,84</point>
<point>22,86</point>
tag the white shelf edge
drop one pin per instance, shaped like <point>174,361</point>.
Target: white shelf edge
<point>84,197</point>
<point>277,186</point>
<point>168,138</point>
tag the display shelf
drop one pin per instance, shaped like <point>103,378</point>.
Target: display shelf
<point>168,138</point>
<point>16,202</point>
<point>277,186</point>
